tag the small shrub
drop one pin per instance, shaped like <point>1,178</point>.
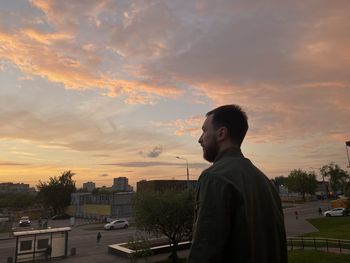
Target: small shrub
<point>141,247</point>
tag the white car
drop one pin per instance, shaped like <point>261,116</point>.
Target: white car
<point>340,211</point>
<point>119,223</point>
<point>24,221</point>
<point>110,219</point>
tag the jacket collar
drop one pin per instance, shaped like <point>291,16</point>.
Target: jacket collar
<point>232,151</point>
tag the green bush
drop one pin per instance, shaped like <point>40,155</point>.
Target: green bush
<point>141,247</point>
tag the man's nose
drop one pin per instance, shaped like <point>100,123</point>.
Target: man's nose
<point>200,140</point>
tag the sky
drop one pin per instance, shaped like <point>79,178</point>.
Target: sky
<point>115,88</point>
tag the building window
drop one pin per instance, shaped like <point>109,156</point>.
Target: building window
<point>25,245</point>
<point>43,243</point>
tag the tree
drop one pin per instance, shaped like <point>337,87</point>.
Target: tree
<point>279,180</point>
<point>347,190</point>
<point>337,177</point>
<point>101,191</point>
<point>168,213</point>
<point>302,182</point>
<point>57,191</point>
<point>18,200</point>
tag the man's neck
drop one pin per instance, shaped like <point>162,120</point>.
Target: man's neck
<point>229,149</point>
<point>227,145</point>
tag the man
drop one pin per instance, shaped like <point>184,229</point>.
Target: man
<point>239,216</point>
<point>98,238</point>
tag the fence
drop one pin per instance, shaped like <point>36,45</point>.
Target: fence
<point>318,243</point>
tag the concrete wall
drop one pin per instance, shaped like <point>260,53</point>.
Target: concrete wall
<point>101,205</point>
<point>97,211</point>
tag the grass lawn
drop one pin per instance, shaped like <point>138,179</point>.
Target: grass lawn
<point>303,256</point>
<point>331,227</point>
<point>312,256</point>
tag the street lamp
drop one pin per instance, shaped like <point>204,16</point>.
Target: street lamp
<point>188,174</point>
<point>347,144</point>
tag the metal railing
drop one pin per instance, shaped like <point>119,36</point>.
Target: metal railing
<point>318,243</point>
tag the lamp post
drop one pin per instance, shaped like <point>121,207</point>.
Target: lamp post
<point>347,144</point>
<point>188,174</point>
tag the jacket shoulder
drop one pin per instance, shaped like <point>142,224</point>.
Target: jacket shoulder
<point>224,172</point>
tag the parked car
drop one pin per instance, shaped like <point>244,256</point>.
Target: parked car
<point>24,221</point>
<point>119,223</point>
<point>60,216</point>
<point>339,211</point>
<point>110,219</point>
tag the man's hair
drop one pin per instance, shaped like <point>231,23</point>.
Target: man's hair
<point>233,118</point>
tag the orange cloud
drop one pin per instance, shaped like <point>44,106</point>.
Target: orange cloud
<point>46,38</point>
<point>288,66</point>
<point>190,126</point>
<point>180,127</point>
<point>40,54</point>
<point>289,113</point>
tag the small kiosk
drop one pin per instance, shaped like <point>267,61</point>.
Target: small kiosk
<point>41,244</point>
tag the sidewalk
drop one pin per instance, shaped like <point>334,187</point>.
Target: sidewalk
<point>6,236</point>
<point>298,227</point>
<point>109,258</point>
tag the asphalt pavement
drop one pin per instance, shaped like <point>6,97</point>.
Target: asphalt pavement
<point>83,236</point>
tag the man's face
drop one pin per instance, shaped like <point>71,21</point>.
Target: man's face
<point>208,140</point>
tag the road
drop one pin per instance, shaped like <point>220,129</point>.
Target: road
<point>297,227</point>
<point>83,238</point>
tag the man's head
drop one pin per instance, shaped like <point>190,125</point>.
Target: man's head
<point>225,126</point>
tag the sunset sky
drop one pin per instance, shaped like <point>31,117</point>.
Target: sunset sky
<point>114,88</point>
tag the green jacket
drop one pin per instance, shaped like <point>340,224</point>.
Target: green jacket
<point>238,215</point>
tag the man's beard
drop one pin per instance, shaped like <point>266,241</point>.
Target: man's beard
<point>211,151</point>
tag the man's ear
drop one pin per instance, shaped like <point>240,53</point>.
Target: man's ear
<point>222,133</point>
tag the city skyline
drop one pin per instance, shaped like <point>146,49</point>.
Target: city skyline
<point>120,88</point>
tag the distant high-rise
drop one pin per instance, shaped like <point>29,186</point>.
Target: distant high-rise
<point>120,184</point>
<point>89,186</point>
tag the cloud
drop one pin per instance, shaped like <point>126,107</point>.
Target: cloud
<point>155,164</point>
<point>219,49</point>
<point>45,38</point>
<point>180,127</point>
<point>286,63</point>
<point>190,126</point>
<point>70,128</point>
<point>2,163</point>
<point>157,150</point>
<point>102,155</point>
<point>104,175</point>
<point>141,164</point>
<point>58,56</point>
